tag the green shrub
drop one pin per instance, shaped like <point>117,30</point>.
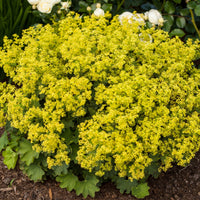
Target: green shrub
<point>91,100</point>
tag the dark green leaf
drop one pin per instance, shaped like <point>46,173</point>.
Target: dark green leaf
<point>180,22</point>
<point>60,170</point>
<point>184,12</point>
<point>168,23</point>
<point>152,169</point>
<point>158,4</point>
<point>125,185</point>
<point>169,7</point>
<point>67,181</point>
<point>10,158</point>
<point>141,190</point>
<point>177,1</point>
<point>191,4</point>
<point>197,10</point>
<point>190,28</point>
<point>3,141</point>
<point>107,7</point>
<point>177,32</point>
<point>87,187</point>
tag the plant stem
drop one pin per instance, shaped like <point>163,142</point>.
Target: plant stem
<point>119,5</point>
<point>194,23</point>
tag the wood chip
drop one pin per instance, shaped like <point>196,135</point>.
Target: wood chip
<point>5,189</point>
<point>50,194</point>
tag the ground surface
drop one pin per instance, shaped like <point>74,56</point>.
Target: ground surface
<point>177,184</point>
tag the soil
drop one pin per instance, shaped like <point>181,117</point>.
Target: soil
<point>177,183</point>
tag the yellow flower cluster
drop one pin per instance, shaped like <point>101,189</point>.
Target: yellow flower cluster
<point>145,93</point>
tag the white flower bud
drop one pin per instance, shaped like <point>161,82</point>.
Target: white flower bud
<point>99,12</point>
<point>33,2</point>
<point>154,17</point>
<point>130,17</point>
<point>98,5</point>
<point>65,5</point>
<point>89,8</point>
<point>44,7</point>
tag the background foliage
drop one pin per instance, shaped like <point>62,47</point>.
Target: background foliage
<point>15,15</point>
<point>181,17</point>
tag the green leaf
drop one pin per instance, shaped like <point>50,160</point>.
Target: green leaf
<point>191,4</point>
<point>34,172</point>
<point>180,22</point>
<point>125,185</point>
<point>152,169</point>
<point>190,28</point>
<point>141,190</point>
<point>169,22</point>
<point>177,32</point>
<point>3,140</point>
<point>197,10</point>
<point>59,170</point>
<point>87,187</point>
<point>107,7</point>
<point>27,154</point>
<point>184,12</point>
<point>10,158</point>
<point>69,136</point>
<point>169,7</point>
<point>67,181</point>
<point>177,1</point>
<point>14,141</point>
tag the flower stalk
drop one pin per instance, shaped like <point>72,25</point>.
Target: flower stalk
<point>194,23</point>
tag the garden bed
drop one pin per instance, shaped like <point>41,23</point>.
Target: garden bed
<point>177,183</point>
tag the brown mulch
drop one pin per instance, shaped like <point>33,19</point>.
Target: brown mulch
<point>177,183</point>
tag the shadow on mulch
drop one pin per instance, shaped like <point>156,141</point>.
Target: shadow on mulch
<point>177,183</point>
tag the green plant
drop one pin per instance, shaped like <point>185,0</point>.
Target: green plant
<point>91,100</point>
<point>15,15</point>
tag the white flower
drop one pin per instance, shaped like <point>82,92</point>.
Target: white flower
<point>154,17</point>
<point>130,17</point>
<point>53,2</point>
<point>99,12</point>
<point>33,2</point>
<point>65,5</point>
<point>44,6</point>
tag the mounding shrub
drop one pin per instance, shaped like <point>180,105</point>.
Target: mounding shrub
<point>91,100</point>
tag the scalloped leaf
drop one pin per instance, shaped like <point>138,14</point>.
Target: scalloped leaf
<point>60,170</point>
<point>67,181</point>
<point>141,190</point>
<point>34,172</point>
<point>87,187</point>
<point>10,158</point>
<point>27,154</point>
<point>125,185</point>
